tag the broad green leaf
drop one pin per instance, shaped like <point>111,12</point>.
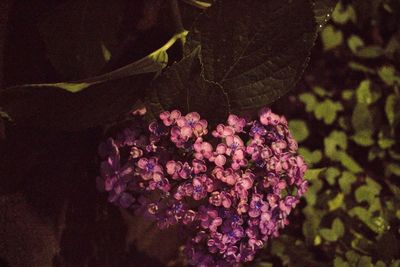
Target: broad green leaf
<point>310,157</point>
<point>366,193</point>
<point>75,33</point>
<point>346,180</point>
<point>182,87</point>
<point>392,169</point>
<point>363,138</point>
<point>331,174</point>
<point>385,141</point>
<point>338,227</point>
<point>311,223</point>
<point>360,67</point>
<point>327,111</point>
<point>331,38</point>
<point>336,202</point>
<point>369,52</point>
<point>336,139</point>
<point>339,262</point>
<point>388,75</point>
<point>153,63</point>
<point>343,14</point>
<point>352,257</point>
<point>365,261</point>
<point>255,49</point>
<point>309,100</point>
<point>299,130</point>
<point>363,125</point>
<point>363,92</point>
<point>328,234</point>
<point>355,42</point>
<point>312,174</point>
<point>313,189</point>
<point>347,161</point>
<point>392,109</point>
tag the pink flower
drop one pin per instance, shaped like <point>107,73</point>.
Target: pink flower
<point>191,123</point>
<point>173,168</point>
<point>238,159</point>
<point>223,131</point>
<point>236,123</point>
<point>150,169</point>
<point>169,118</point>
<point>199,166</point>
<point>203,149</point>
<point>233,142</point>
<point>267,117</point>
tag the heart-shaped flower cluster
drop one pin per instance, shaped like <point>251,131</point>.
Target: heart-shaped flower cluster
<point>233,190</point>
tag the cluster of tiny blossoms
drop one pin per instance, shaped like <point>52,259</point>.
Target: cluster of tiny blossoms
<point>232,191</point>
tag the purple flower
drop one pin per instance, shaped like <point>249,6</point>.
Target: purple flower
<point>150,169</point>
<point>232,197</point>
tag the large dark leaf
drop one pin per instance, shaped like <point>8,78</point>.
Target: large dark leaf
<point>54,108</point>
<point>78,33</point>
<point>183,87</point>
<point>256,49</point>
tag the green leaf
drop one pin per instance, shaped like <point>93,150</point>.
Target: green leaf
<point>347,161</point>
<point>363,92</point>
<point>367,192</point>
<point>310,157</point>
<point>343,14</point>
<point>299,130</point>
<point>388,75</point>
<point>75,34</point>
<point>336,139</point>
<point>331,38</point>
<point>183,87</point>
<point>360,67</point>
<point>363,138</point>
<point>369,52</point>
<point>328,234</point>
<point>339,262</point>
<point>336,202</point>
<point>355,42</point>
<point>392,168</point>
<point>255,49</point>
<point>312,174</point>
<point>338,227</point>
<point>309,100</point>
<point>346,180</point>
<point>153,63</point>
<point>362,123</point>
<point>327,111</point>
<point>331,174</point>
<point>392,109</point>
<point>320,91</point>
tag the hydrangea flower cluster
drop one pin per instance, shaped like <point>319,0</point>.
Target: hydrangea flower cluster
<point>232,191</point>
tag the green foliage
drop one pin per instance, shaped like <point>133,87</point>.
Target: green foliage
<point>353,117</point>
<point>299,130</point>
<point>331,38</point>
